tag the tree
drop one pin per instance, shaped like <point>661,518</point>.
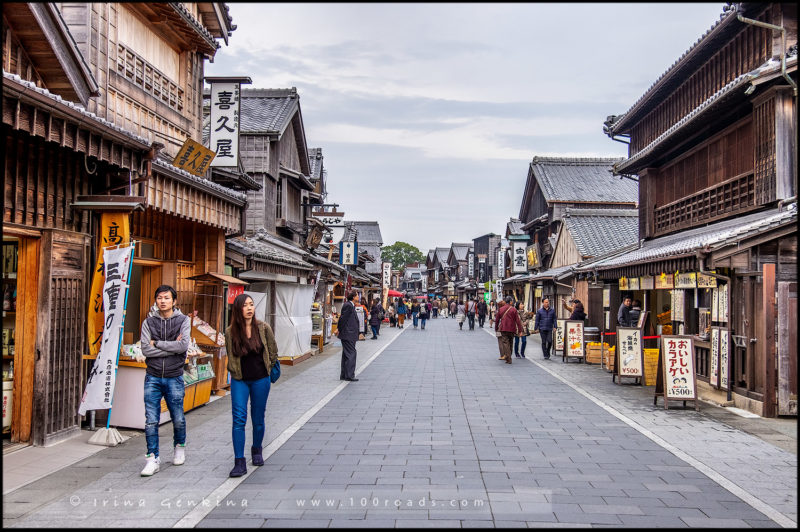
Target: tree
<point>400,254</point>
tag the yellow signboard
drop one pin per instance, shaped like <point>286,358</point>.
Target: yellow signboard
<point>686,280</point>
<point>533,256</point>
<point>623,283</point>
<point>194,158</point>
<point>664,281</point>
<point>114,231</point>
<point>706,281</point>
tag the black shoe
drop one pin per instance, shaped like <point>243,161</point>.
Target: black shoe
<point>547,358</point>
<point>352,380</point>
<point>516,355</point>
<point>374,338</point>
<point>258,459</point>
<point>523,355</point>
<point>239,467</point>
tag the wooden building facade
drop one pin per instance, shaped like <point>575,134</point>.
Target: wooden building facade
<point>82,138</point>
<point>713,143</point>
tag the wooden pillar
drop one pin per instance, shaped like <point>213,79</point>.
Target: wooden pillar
<point>768,319</point>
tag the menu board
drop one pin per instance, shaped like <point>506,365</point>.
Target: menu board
<point>646,282</point>
<point>664,282</point>
<point>633,283</point>
<point>724,358</point>
<point>606,297</point>
<point>573,339</point>
<point>630,354</point>
<point>713,370</point>
<point>706,281</point>
<point>686,280</point>
<point>678,368</point>
<point>559,335</point>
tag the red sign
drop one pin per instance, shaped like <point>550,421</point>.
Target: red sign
<point>234,290</point>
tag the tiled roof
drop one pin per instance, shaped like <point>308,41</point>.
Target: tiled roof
<point>696,114</point>
<point>552,273</point>
<point>514,227</point>
<point>600,231</point>
<point>365,232</point>
<point>76,107</point>
<point>687,242</point>
<point>460,250</point>
<point>441,255</point>
<point>188,17</point>
<point>315,162</point>
<point>263,247</point>
<point>374,251</point>
<point>262,111</point>
<point>582,179</point>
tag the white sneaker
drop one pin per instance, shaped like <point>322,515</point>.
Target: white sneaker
<point>180,454</point>
<point>152,465</point>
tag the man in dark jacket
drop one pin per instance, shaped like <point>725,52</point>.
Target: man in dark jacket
<point>347,331</point>
<point>508,325</point>
<point>624,312</point>
<point>482,308</point>
<point>165,341</point>
<point>545,321</point>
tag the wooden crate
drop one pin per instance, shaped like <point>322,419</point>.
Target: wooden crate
<point>608,359</point>
<point>202,392</point>
<point>595,353</point>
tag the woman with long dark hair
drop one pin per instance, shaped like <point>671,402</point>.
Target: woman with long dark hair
<point>252,353</point>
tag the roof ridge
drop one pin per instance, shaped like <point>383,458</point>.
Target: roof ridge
<point>269,93</point>
<point>576,160</point>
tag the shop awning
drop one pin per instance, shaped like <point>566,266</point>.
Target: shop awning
<point>212,276</point>
<point>520,277</point>
<point>713,238</point>
<point>553,273</point>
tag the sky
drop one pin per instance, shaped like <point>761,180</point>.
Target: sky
<point>428,115</point>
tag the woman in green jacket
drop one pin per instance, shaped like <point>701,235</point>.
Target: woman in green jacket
<point>252,353</point>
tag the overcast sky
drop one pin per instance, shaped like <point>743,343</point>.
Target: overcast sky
<point>429,114</point>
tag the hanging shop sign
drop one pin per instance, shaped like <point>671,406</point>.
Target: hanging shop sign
<point>533,255</point>
<point>664,282</point>
<point>706,281</point>
<point>235,290</point>
<point>678,380</point>
<point>719,307</point>
<point>713,371</point>
<point>633,283</point>
<point>387,274</point>
<point>330,219</point>
<point>481,268</point>
<point>646,282</point>
<point>518,262</point>
<point>606,297</point>
<point>629,361</point>
<point>677,301</point>
<point>501,264</point>
<point>573,339</point>
<point>114,231</point>
<point>685,280</point>
<point>435,276</point>
<point>623,283</point>
<point>558,334</point>
<point>348,252</point>
<point>471,265</point>
<point>100,384</point>
<point>724,360</point>
<point>537,292</point>
<point>224,123</point>
<point>194,158</point>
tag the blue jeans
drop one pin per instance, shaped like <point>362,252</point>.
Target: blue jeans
<point>524,342</point>
<point>374,330</point>
<point>257,392</point>
<point>172,389</point>
<point>424,320</point>
<point>416,318</point>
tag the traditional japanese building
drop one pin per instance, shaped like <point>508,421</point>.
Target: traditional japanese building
<point>97,100</point>
<point>713,144</point>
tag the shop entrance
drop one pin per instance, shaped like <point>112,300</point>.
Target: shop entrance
<point>20,259</point>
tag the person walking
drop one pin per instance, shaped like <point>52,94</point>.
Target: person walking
<point>401,312</point>
<point>423,314</point>
<point>434,310</point>
<point>165,340</point>
<point>392,315</point>
<point>492,312</point>
<point>461,315</point>
<point>252,352</point>
<point>415,313</point>
<point>521,340</point>
<point>508,325</point>
<point>471,308</point>
<point>624,312</point>
<point>453,308</point>
<point>482,309</point>
<point>375,318</point>
<point>347,331</point>
<point>545,320</point>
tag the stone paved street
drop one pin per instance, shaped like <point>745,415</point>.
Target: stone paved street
<point>438,432</point>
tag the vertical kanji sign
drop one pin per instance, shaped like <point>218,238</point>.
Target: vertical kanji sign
<point>558,335</point>
<point>677,370</point>
<point>519,260</point>
<point>224,123</point>
<point>100,384</point>
<point>573,339</point>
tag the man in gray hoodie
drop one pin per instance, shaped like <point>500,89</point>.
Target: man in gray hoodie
<point>165,341</point>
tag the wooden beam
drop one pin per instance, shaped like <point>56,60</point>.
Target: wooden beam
<point>768,319</point>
